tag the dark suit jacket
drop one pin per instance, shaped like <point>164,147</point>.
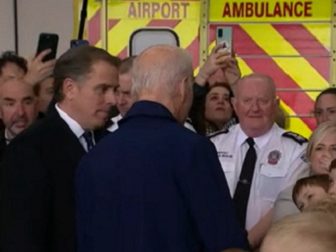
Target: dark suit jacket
<point>3,144</point>
<point>37,205</point>
<point>152,186</point>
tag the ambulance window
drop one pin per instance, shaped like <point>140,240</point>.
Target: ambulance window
<point>144,38</point>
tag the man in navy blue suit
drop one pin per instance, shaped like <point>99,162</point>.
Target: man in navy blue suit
<point>154,185</point>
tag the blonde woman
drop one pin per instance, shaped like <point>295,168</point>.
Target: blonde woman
<point>321,150</point>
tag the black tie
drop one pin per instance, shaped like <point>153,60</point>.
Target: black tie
<point>242,193</point>
<point>88,139</point>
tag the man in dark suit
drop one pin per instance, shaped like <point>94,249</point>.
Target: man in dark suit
<point>18,109</point>
<point>37,205</point>
<point>154,185</point>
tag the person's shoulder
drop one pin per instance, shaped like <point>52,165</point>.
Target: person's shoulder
<point>184,136</point>
<point>186,133</point>
<point>42,130</point>
<point>218,133</point>
<point>223,133</point>
<point>294,137</point>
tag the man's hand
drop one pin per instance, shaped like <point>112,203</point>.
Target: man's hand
<point>325,163</point>
<point>232,71</point>
<point>219,60</point>
<point>39,70</point>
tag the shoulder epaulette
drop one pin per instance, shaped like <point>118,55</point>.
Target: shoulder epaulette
<point>218,133</point>
<point>296,137</point>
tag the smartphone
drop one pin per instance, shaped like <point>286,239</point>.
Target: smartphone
<point>47,41</point>
<point>224,37</point>
<point>78,42</point>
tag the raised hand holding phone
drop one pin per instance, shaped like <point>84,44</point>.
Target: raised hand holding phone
<point>47,41</point>
<point>39,70</point>
<point>42,64</point>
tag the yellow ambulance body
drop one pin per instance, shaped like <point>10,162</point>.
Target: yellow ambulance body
<point>290,40</point>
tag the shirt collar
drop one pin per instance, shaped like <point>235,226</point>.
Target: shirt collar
<point>260,141</point>
<point>148,108</point>
<point>117,118</point>
<point>6,135</point>
<point>73,125</point>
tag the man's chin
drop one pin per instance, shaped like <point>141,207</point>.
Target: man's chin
<point>16,131</point>
<point>99,123</point>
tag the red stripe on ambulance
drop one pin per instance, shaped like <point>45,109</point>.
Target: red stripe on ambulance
<point>94,28</point>
<point>257,59</point>
<point>298,101</point>
<point>307,46</point>
<point>193,49</point>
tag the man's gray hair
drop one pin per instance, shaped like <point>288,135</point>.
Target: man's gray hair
<point>163,72</point>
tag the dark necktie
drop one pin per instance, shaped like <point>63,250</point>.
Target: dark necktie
<point>88,139</point>
<point>242,193</point>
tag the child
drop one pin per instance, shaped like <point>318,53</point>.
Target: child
<point>332,178</point>
<point>310,190</point>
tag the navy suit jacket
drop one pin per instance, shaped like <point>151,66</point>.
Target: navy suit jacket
<point>152,186</point>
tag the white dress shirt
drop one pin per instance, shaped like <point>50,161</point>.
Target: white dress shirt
<point>115,121</point>
<point>74,127</point>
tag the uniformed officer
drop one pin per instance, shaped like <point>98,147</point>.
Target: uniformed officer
<point>277,155</point>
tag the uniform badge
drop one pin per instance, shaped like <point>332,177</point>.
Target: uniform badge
<point>273,157</point>
<point>224,154</point>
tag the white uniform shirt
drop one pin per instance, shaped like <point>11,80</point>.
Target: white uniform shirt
<point>280,160</point>
<point>117,118</point>
<point>115,121</point>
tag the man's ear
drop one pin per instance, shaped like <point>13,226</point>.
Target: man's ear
<point>69,88</point>
<point>183,89</point>
<point>179,93</point>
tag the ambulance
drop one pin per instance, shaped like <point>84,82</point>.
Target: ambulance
<point>293,41</point>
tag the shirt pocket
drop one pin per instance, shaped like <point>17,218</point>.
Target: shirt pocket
<point>229,171</point>
<point>270,181</point>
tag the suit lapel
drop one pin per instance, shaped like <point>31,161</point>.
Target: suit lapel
<point>3,144</point>
<point>66,139</point>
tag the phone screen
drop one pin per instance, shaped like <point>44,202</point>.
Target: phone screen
<point>224,37</point>
<point>48,41</point>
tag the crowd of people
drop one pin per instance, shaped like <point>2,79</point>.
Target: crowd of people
<point>103,154</point>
